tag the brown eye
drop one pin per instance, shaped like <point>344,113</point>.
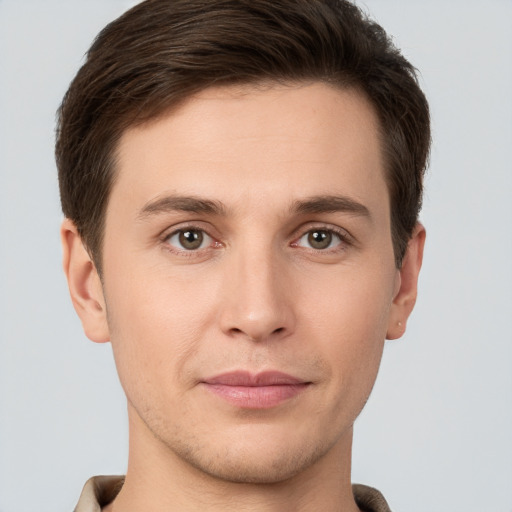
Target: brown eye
<point>319,239</point>
<point>189,239</point>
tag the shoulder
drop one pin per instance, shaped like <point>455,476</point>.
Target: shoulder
<point>99,491</point>
<point>369,499</point>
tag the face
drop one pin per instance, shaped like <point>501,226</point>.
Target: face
<point>249,276</point>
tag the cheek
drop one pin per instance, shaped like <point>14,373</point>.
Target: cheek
<point>152,302</point>
<point>352,303</point>
<point>156,323</point>
<point>350,318</point>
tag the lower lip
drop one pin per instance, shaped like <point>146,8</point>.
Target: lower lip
<point>257,397</point>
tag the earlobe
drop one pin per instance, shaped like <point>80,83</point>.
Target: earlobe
<point>84,284</point>
<point>407,284</point>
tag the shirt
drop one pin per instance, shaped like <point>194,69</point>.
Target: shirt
<point>99,491</point>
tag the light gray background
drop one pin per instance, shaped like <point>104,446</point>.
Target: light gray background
<point>436,435</point>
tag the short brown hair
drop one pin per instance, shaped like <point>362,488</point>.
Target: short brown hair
<point>161,52</point>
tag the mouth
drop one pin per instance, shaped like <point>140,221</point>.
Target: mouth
<point>255,391</point>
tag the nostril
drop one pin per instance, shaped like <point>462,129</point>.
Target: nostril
<point>278,330</point>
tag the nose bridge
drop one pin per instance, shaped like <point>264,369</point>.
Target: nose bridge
<point>257,304</point>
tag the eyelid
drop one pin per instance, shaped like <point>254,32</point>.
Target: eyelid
<point>346,239</point>
<point>184,225</point>
<point>193,226</point>
<point>205,242</point>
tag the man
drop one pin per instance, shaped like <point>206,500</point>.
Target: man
<point>241,182</point>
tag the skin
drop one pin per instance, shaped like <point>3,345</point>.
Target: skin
<point>256,295</point>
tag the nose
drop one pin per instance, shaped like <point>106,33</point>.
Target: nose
<point>257,301</point>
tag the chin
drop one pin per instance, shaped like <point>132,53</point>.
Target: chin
<point>258,463</point>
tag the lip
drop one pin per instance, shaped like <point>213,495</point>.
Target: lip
<point>255,391</point>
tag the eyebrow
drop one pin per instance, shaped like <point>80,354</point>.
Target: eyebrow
<point>331,204</point>
<point>194,204</point>
<point>174,203</point>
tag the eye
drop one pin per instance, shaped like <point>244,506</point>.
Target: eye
<point>189,239</point>
<point>320,239</point>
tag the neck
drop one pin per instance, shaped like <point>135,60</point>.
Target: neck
<point>158,479</point>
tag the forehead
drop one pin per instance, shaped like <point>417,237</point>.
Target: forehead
<point>243,144</point>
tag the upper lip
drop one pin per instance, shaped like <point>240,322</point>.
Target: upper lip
<point>248,379</point>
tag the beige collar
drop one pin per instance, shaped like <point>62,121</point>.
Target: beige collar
<point>99,491</point>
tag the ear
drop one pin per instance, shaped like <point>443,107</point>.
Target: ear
<point>84,284</point>
<point>407,284</point>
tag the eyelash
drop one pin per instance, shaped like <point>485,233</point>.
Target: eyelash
<point>189,252</point>
<point>345,240</point>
